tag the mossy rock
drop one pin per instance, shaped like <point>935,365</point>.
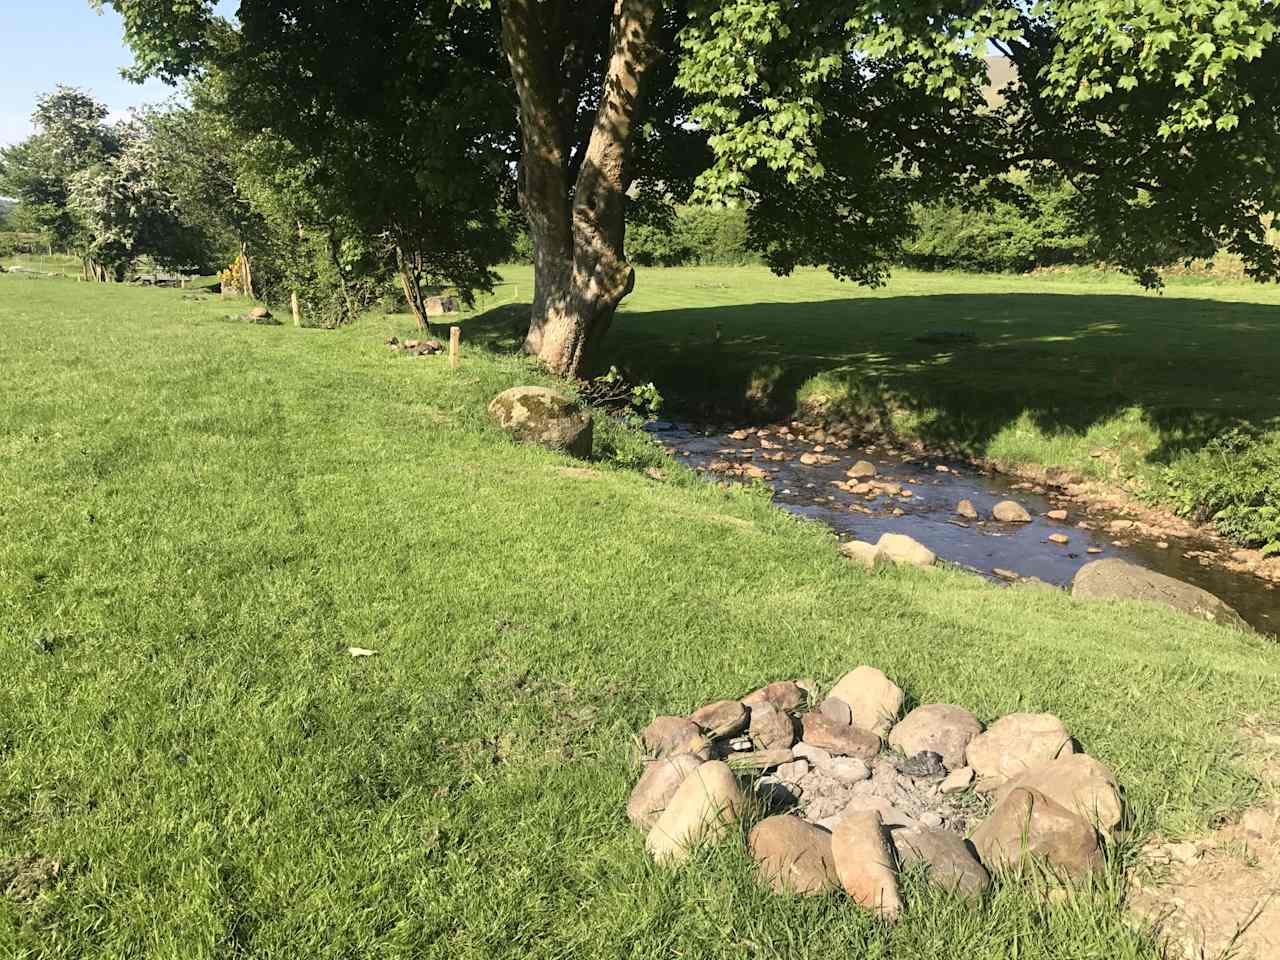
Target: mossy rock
<point>541,415</point>
<point>1114,579</point>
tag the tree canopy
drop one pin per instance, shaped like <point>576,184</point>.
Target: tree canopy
<point>94,188</point>
<point>826,121</point>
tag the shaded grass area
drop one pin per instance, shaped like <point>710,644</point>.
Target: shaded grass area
<point>199,517</point>
<point>1029,370</point>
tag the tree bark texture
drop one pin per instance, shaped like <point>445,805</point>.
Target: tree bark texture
<point>577,226</point>
<point>411,282</point>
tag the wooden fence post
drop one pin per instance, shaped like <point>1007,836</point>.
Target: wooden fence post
<point>293,305</point>
<point>455,339</point>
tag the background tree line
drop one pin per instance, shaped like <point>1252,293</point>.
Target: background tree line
<point>330,150</point>
<point>997,237</point>
<point>285,183</point>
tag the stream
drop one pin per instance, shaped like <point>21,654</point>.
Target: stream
<point>926,510</point>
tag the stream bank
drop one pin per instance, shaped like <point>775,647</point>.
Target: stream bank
<point>917,494</point>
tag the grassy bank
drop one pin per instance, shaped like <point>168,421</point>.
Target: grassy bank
<point>199,517</point>
<point>1033,370</point>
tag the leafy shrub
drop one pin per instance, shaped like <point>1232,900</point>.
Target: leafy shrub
<point>658,245</point>
<point>717,236</point>
<point>1003,237</point>
<point>615,391</point>
<point>1235,482</point>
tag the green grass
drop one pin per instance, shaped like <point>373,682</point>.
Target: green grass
<point>44,263</point>
<point>199,517</point>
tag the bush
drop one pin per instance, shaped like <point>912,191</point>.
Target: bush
<point>695,236</point>
<point>716,237</point>
<point>1235,482</point>
<point>1001,238</point>
<point>658,245</point>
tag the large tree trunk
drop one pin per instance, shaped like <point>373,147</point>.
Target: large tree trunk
<point>580,270</point>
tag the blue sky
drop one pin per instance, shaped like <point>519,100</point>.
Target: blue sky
<point>49,42</point>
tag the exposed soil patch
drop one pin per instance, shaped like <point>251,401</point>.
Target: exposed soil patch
<point>1218,896</point>
<point>22,878</point>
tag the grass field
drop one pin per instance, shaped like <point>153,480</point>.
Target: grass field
<point>44,263</point>
<point>197,519</point>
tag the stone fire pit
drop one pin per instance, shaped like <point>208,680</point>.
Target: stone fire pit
<point>844,794</point>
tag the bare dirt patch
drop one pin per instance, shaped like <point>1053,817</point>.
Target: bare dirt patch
<point>1218,896</point>
<point>22,878</point>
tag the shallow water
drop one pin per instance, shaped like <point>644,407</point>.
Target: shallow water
<point>929,516</point>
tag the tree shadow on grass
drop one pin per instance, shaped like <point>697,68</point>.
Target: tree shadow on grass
<point>963,367</point>
<point>500,329</point>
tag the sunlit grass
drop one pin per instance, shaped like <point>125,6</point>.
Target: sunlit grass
<point>199,517</point>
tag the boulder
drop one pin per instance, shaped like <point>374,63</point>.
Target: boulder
<point>1016,743</point>
<point>861,470</point>
<point>1058,515</point>
<point>864,863</point>
<point>668,736</point>
<point>1007,511</point>
<point>656,787</point>
<point>864,554</point>
<point>1078,783</point>
<point>815,755</point>
<point>784,694</point>
<point>1114,579</point>
<point>966,509</point>
<point>840,739</point>
<point>848,769</point>
<point>792,772</point>
<point>942,728</point>
<point>1028,825</point>
<point>900,548</point>
<point>836,709</point>
<point>874,700</point>
<point>540,415</point>
<point>793,855</point>
<point>701,810</point>
<point>891,818</point>
<point>770,728</point>
<point>957,781</point>
<point>950,862</point>
<point>723,718</point>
